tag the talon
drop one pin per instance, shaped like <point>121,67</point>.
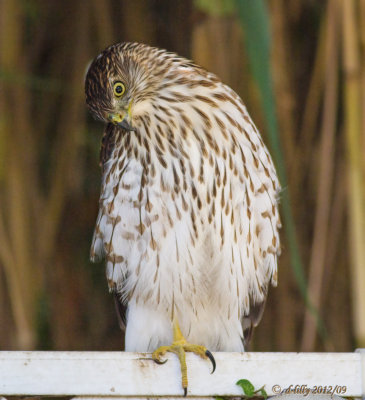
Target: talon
<point>159,362</point>
<point>211,358</point>
<point>179,347</point>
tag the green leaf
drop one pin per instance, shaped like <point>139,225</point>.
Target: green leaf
<point>263,392</point>
<point>247,387</point>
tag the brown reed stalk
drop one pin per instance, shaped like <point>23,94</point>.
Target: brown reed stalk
<point>16,220</point>
<point>326,167</point>
<point>352,65</point>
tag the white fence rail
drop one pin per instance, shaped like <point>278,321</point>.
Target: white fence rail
<point>115,374</point>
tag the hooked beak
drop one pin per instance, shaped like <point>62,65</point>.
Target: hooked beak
<point>121,120</point>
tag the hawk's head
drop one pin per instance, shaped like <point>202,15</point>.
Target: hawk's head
<point>120,78</point>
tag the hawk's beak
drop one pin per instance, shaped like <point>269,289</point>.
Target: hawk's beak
<point>121,120</point>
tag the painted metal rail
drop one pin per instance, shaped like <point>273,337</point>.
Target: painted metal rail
<point>120,374</point>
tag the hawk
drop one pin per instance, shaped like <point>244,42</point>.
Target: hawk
<point>188,220</point>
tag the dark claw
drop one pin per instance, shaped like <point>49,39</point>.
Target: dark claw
<point>211,358</point>
<point>185,391</point>
<point>158,361</point>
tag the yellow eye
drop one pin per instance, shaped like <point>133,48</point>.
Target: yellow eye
<point>118,89</point>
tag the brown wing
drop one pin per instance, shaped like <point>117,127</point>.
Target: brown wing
<point>121,309</point>
<point>107,144</point>
<point>251,320</point>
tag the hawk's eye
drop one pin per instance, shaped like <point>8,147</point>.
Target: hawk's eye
<point>118,89</point>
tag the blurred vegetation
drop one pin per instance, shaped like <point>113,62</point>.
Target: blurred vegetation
<point>299,65</point>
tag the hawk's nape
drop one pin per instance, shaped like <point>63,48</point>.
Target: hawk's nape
<point>188,220</point>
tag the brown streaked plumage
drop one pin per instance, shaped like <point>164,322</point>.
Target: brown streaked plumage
<point>188,221</point>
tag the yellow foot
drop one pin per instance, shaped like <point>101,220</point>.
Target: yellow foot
<point>179,347</point>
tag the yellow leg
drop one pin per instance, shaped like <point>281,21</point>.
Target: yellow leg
<point>179,347</point>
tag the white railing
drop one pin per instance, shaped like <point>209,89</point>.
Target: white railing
<point>115,374</point>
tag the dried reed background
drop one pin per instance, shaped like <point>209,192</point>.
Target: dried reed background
<point>51,297</point>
